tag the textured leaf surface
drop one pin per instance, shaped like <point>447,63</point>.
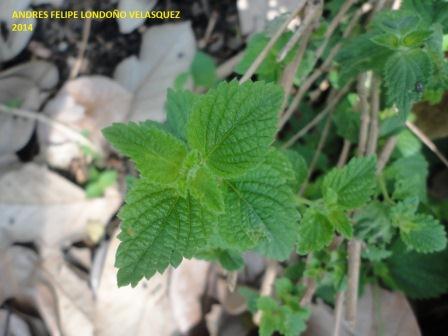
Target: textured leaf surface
<point>260,211</point>
<point>315,232</point>
<point>204,186</point>
<point>157,154</point>
<point>178,106</point>
<point>420,276</point>
<point>233,125</point>
<point>402,73</point>
<point>159,228</point>
<point>423,233</point>
<point>354,184</point>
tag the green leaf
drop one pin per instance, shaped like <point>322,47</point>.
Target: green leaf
<point>423,234</point>
<point>157,154</point>
<point>260,211</point>
<point>404,71</point>
<point>229,259</point>
<point>396,22</point>
<point>341,223</point>
<point>387,40</point>
<point>233,125</point>
<point>159,228</point>
<point>347,121</point>
<point>409,175</point>
<point>178,106</point>
<point>372,224</point>
<point>354,183</point>
<point>299,167</point>
<point>315,231</point>
<point>420,276</point>
<point>203,185</point>
<point>416,38</point>
<point>203,70</point>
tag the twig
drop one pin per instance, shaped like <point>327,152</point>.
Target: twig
<point>330,106</point>
<point>309,81</point>
<point>344,153</point>
<point>374,116</point>
<point>267,285</point>
<point>315,10</point>
<point>82,50</point>
<point>254,66</point>
<point>354,265</point>
<point>386,153</point>
<point>69,132</point>
<point>365,120</point>
<point>427,141</point>
<point>231,280</point>
<point>209,30</point>
<point>338,312</point>
<point>320,146</point>
<point>311,287</point>
<point>226,68</point>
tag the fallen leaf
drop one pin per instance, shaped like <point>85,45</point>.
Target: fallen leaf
<point>23,86</point>
<point>166,51</point>
<point>40,206</point>
<point>255,14</point>
<point>12,325</point>
<point>187,287</point>
<point>128,24</point>
<point>380,312</point>
<point>15,41</point>
<point>143,310</point>
<point>87,104</point>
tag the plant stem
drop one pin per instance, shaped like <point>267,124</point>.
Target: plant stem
<point>354,265</point>
<point>374,116</point>
<point>386,153</point>
<point>338,312</point>
<point>254,66</point>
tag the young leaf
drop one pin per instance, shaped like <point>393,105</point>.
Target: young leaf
<point>404,71</point>
<point>157,154</point>
<point>159,228</point>
<point>299,167</point>
<point>341,222</point>
<point>423,234</point>
<point>315,232</point>
<point>354,184</point>
<point>203,185</point>
<point>233,125</point>
<point>178,106</point>
<point>387,40</point>
<point>260,211</point>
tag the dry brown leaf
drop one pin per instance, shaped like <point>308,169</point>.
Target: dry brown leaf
<point>187,287</point>
<point>380,312</point>
<point>166,51</point>
<point>40,206</point>
<point>23,85</point>
<point>87,104</point>
<point>15,41</point>
<point>143,310</point>
<point>15,325</point>
<point>254,14</point>
<point>128,24</point>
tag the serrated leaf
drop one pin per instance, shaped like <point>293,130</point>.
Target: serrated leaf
<point>341,223</point>
<point>396,22</point>
<point>409,175</point>
<point>315,232</point>
<point>372,223</point>
<point>159,228</point>
<point>416,38</point>
<point>354,184</point>
<point>203,185</point>
<point>178,106</point>
<point>233,125</point>
<point>157,154</point>
<point>387,40</point>
<point>403,73</point>
<point>260,211</point>
<point>423,234</point>
<point>420,276</point>
<point>299,166</point>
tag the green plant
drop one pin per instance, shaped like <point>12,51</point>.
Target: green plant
<point>216,179</point>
